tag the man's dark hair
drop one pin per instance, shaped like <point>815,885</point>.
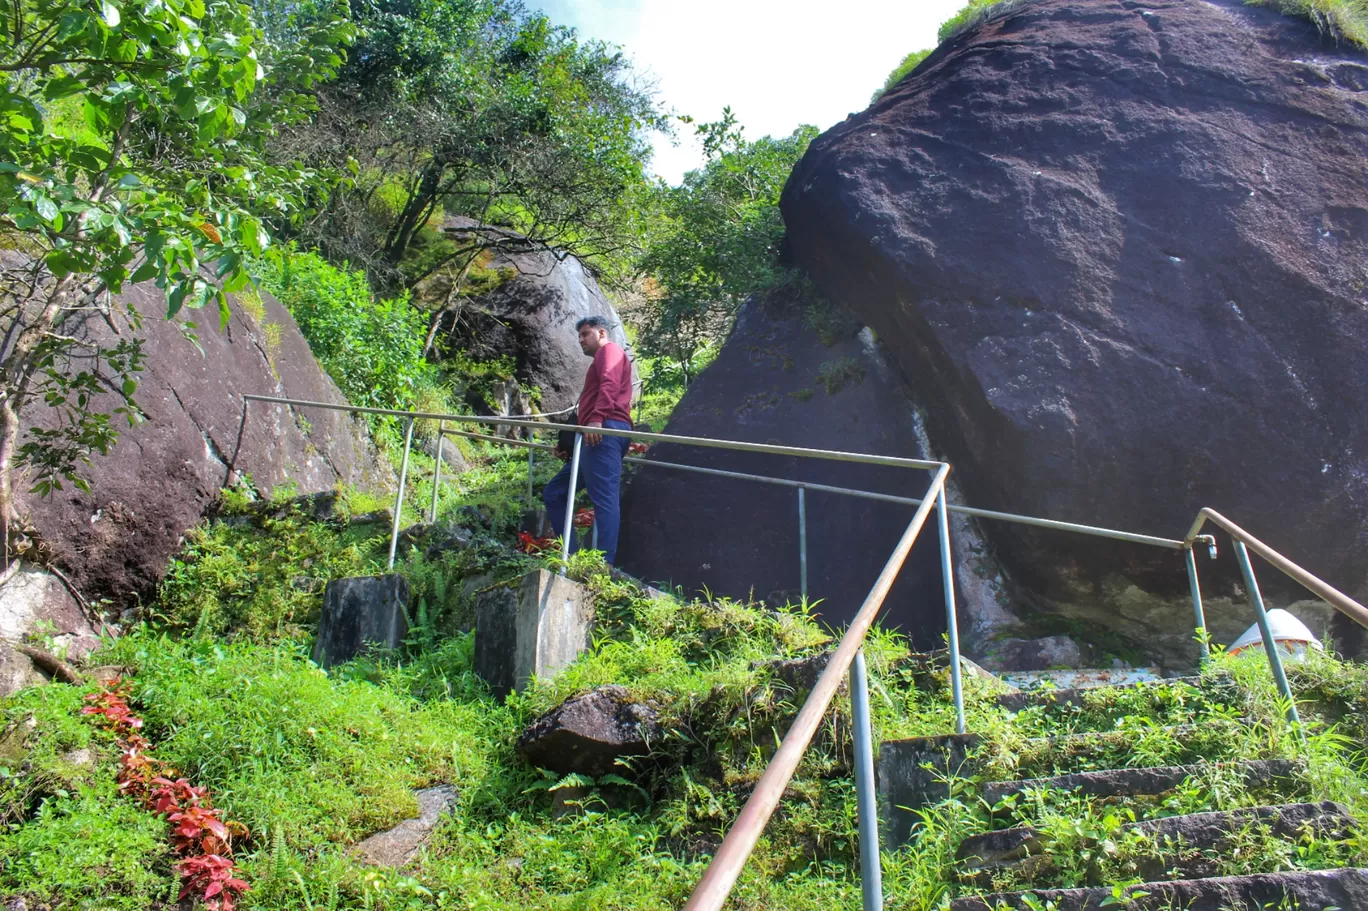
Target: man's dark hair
<point>594,322</point>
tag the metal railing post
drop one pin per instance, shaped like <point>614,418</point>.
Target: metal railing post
<point>951,614</point>
<point>437,473</point>
<point>1270,646</point>
<point>399,497</point>
<point>1197,611</point>
<point>570,502</point>
<point>531,463</point>
<point>802,542</point>
<point>871,874</point>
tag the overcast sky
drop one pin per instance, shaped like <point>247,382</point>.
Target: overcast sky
<point>777,64</point>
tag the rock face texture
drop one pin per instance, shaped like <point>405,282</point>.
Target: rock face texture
<point>156,482</point>
<point>777,380</point>
<point>1119,250</point>
<point>532,315</point>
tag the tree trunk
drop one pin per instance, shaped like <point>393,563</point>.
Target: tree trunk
<point>9,437</point>
<point>415,212</point>
<point>16,372</point>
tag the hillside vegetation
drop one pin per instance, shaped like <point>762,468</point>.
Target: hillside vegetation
<point>312,762</point>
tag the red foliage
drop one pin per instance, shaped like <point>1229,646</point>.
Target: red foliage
<point>112,705</point>
<point>530,545</point>
<point>584,518</point>
<point>199,833</point>
<point>209,877</point>
<point>638,448</point>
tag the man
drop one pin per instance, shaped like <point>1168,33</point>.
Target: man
<point>605,402</point>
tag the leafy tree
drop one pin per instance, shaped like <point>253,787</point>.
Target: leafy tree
<point>371,347</point>
<point>717,240</point>
<point>130,151</point>
<point>476,108</point>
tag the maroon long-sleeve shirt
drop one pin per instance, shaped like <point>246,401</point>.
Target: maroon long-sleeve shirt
<point>607,394</point>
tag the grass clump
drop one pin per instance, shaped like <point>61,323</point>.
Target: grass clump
<point>908,64</point>
<point>1343,20</point>
<point>66,837</point>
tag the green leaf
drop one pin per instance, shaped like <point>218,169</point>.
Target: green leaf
<point>44,206</point>
<point>62,87</point>
<point>109,14</point>
<point>252,235</point>
<point>175,298</point>
<point>146,271</point>
<point>130,386</point>
<point>62,263</point>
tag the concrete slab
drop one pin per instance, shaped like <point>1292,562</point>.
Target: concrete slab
<point>532,630</point>
<point>361,613</point>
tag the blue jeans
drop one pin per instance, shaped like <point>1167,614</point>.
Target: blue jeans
<point>601,471</point>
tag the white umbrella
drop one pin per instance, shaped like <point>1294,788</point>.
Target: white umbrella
<point>1287,630</point>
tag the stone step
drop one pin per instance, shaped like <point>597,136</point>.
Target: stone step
<point>1050,756</point>
<point>1319,890</point>
<point>1153,781</point>
<point>1075,696</point>
<point>1184,846</point>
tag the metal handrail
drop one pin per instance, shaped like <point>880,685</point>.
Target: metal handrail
<point>1034,521</point>
<point>1318,587</point>
<point>834,455</point>
<point>736,847</point>
<point>722,873</point>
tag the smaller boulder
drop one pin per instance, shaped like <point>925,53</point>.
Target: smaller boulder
<point>800,674</point>
<point>453,460</point>
<point>399,846</point>
<point>587,734</point>
<point>35,604</point>
<point>16,671</point>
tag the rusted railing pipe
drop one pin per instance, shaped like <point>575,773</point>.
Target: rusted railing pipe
<point>721,875</point>
<point>1318,587</point>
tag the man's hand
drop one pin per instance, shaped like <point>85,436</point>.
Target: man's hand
<point>593,439</point>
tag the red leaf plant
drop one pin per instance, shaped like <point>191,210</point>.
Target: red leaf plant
<point>529,544</point>
<point>199,833</point>
<point>638,448</point>
<point>209,877</point>
<point>584,518</point>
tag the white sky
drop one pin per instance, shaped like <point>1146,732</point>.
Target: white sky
<point>778,64</point>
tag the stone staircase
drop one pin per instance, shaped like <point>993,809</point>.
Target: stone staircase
<point>1085,820</point>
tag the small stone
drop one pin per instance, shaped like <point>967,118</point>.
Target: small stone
<point>587,734</point>
<point>398,847</point>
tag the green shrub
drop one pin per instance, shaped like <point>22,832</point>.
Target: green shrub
<point>373,349</point>
<point>262,582</point>
<point>909,63</point>
<point>975,13</point>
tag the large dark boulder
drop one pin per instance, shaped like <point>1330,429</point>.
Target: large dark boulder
<point>1119,251</point>
<point>780,380</point>
<point>530,312</point>
<point>157,481</point>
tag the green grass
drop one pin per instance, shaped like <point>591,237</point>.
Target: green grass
<point>312,762</point>
<point>1343,20</point>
